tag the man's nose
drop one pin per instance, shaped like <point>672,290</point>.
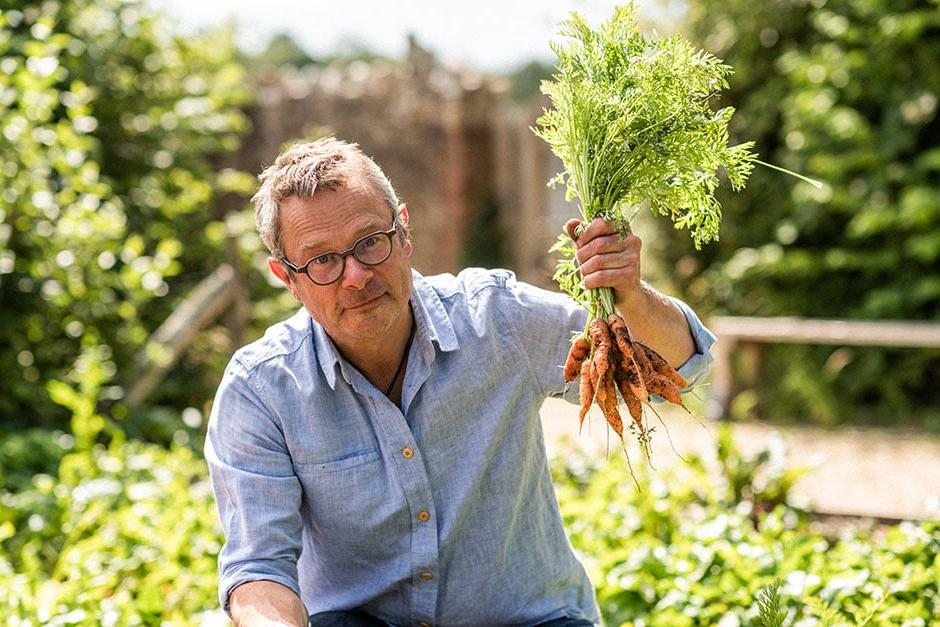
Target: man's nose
<point>356,274</point>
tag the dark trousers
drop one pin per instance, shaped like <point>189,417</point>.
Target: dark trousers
<point>355,618</point>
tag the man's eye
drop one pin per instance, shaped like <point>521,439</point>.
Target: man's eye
<point>369,241</point>
<point>322,260</point>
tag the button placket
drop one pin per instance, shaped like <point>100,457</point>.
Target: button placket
<point>412,475</point>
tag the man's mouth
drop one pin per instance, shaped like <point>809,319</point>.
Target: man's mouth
<point>363,302</point>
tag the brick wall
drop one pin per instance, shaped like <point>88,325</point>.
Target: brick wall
<point>451,142</point>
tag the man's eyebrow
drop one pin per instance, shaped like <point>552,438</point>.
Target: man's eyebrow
<point>322,248</point>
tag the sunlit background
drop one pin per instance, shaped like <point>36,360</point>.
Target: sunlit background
<point>131,136</point>
<point>488,35</point>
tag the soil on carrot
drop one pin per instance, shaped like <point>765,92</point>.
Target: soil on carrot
<point>609,361</point>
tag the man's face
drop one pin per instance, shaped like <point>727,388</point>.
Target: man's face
<point>367,304</point>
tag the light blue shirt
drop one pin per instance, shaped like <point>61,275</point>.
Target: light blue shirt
<point>442,512</point>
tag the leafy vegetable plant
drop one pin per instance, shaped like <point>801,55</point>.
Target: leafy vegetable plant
<point>633,125</point>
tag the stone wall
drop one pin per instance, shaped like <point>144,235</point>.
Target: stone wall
<point>457,150</point>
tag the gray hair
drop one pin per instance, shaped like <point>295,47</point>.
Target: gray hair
<point>301,170</point>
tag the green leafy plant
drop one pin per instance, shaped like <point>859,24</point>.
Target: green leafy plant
<point>120,535</point>
<point>111,130</point>
<point>632,122</point>
<point>695,547</point>
<point>768,606</point>
<point>847,92</point>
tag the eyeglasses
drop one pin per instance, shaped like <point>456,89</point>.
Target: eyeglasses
<point>327,268</point>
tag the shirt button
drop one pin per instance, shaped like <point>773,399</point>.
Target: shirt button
<point>407,453</point>
<point>424,516</point>
<point>426,576</point>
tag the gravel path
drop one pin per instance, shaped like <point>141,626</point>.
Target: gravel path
<point>871,473</point>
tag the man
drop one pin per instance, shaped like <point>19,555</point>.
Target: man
<point>378,458</point>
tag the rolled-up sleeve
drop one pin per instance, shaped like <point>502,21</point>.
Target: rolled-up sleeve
<point>696,367</point>
<point>256,490</point>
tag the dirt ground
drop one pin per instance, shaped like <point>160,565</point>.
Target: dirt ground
<point>869,473</point>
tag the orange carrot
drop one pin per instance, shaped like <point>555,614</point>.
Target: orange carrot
<point>634,405</point>
<point>580,349</point>
<point>662,386</point>
<point>586,391</point>
<point>645,367</point>
<point>600,387</point>
<point>630,372</point>
<point>620,333</point>
<point>600,338</point>
<point>610,404</point>
<point>663,367</point>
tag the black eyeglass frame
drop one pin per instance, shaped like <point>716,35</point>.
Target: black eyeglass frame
<point>351,251</point>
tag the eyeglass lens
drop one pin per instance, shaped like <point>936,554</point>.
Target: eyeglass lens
<point>370,250</point>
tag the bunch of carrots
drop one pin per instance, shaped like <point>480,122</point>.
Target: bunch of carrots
<point>633,124</point>
<point>619,363</point>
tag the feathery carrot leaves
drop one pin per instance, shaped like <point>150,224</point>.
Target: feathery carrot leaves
<point>631,121</point>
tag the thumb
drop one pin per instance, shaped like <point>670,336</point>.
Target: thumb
<point>571,227</point>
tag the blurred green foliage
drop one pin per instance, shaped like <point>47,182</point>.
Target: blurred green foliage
<point>699,545</point>
<point>111,135</point>
<point>120,535</point>
<point>846,92</point>
<point>127,534</point>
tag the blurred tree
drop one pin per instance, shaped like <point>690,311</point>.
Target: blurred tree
<point>526,80</point>
<point>282,50</point>
<point>110,130</point>
<point>845,92</point>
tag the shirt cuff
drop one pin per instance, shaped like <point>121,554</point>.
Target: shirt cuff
<point>696,367</point>
<point>227,588</point>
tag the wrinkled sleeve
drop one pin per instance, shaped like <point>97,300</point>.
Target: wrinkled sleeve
<point>696,367</point>
<point>542,324</point>
<point>256,491</point>
<point>545,321</point>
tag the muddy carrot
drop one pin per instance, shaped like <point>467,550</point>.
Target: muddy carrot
<point>630,372</point>
<point>600,387</point>
<point>663,367</point>
<point>580,349</point>
<point>600,338</point>
<point>586,391</point>
<point>634,405</point>
<point>662,386</point>
<point>646,368</point>
<point>621,335</point>
<point>610,404</point>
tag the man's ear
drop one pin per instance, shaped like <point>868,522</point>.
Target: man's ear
<point>278,270</point>
<point>405,230</point>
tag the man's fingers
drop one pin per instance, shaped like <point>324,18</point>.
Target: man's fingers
<point>590,230</point>
<point>615,278</point>
<point>570,228</point>
<point>609,261</point>
<point>594,229</point>
<point>607,244</point>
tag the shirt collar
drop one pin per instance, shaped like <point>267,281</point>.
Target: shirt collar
<point>431,315</point>
<point>325,352</point>
<point>433,325</point>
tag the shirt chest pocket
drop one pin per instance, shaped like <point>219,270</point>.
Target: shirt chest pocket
<point>353,502</point>
<point>343,462</point>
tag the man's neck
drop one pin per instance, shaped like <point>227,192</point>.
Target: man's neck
<point>384,363</point>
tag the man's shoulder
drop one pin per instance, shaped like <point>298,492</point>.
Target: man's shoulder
<point>470,282</point>
<point>279,340</point>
